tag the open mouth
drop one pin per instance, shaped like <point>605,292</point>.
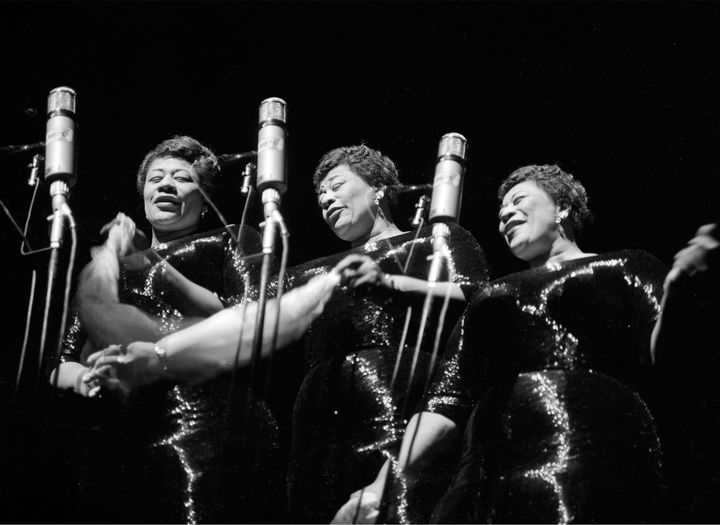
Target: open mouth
<point>332,215</point>
<point>167,199</point>
<point>511,226</point>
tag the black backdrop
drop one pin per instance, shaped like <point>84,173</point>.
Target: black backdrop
<point>624,95</point>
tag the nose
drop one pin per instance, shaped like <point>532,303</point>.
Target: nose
<point>505,213</point>
<point>167,184</point>
<point>325,200</point>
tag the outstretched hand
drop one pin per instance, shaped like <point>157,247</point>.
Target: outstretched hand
<point>701,253</point>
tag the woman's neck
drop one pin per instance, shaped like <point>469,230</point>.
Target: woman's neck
<point>382,228</point>
<point>160,237</point>
<point>562,249</point>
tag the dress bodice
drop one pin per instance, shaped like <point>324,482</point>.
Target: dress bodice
<point>353,320</point>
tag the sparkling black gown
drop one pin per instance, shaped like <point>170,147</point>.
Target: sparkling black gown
<point>347,418</point>
<point>181,453</point>
<point>549,371</point>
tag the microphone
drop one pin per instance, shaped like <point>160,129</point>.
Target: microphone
<point>271,145</point>
<point>271,160</point>
<point>446,196</point>
<point>448,180</point>
<point>60,155</point>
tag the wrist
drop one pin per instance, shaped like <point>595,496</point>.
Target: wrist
<point>388,281</point>
<point>162,359</point>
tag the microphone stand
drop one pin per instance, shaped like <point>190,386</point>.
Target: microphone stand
<point>271,203</point>
<point>58,191</point>
<point>440,233</point>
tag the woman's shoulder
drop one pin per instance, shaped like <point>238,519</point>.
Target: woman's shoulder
<point>635,260</point>
<point>628,260</point>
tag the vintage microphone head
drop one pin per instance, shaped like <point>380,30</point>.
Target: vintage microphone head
<point>448,180</point>
<point>60,136</point>
<point>271,145</point>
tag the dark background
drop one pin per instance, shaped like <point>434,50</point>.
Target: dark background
<point>624,95</point>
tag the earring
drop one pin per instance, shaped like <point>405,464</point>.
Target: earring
<point>379,195</point>
<point>561,216</point>
<point>203,212</point>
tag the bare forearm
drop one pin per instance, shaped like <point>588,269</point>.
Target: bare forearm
<point>209,347</point>
<point>404,283</point>
<point>117,323</point>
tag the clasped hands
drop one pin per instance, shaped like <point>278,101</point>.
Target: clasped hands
<point>362,273</point>
<point>121,369</point>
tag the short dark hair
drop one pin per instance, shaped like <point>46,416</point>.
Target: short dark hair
<point>560,185</point>
<point>371,165</point>
<point>188,149</point>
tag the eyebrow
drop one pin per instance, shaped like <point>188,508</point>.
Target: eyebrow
<point>172,172</point>
<point>326,181</point>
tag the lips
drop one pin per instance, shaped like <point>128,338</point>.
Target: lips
<point>167,199</point>
<point>510,226</point>
<point>332,215</point>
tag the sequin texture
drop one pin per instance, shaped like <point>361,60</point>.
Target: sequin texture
<point>549,375</point>
<point>186,453</point>
<point>347,418</point>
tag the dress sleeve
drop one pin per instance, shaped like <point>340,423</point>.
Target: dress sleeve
<point>454,390</point>
<point>243,260</point>
<point>467,261</point>
<point>646,275</point>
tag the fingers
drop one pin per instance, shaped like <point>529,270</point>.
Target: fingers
<point>362,507</point>
<point>113,384</point>
<point>351,261</point>
<point>372,278</point>
<point>110,350</point>
<point>710,230</point>
<point>691,259</point>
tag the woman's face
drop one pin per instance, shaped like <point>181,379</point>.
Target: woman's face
<point>347,203</point>
<point>173,201</point>
<point>528,221</point>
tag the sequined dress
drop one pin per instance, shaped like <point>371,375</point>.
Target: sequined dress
<point>181,453</point>
<point>347,418</point>
<point>549,372</point>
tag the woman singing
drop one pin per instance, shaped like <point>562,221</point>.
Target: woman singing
<point>549,375</point>
<point>354,400</point>
<point>166,453</point>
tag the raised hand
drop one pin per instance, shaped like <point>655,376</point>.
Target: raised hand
<point>698,256</point>
<point>123,238</point>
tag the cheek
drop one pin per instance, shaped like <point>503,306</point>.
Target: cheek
<point>192,197</point>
